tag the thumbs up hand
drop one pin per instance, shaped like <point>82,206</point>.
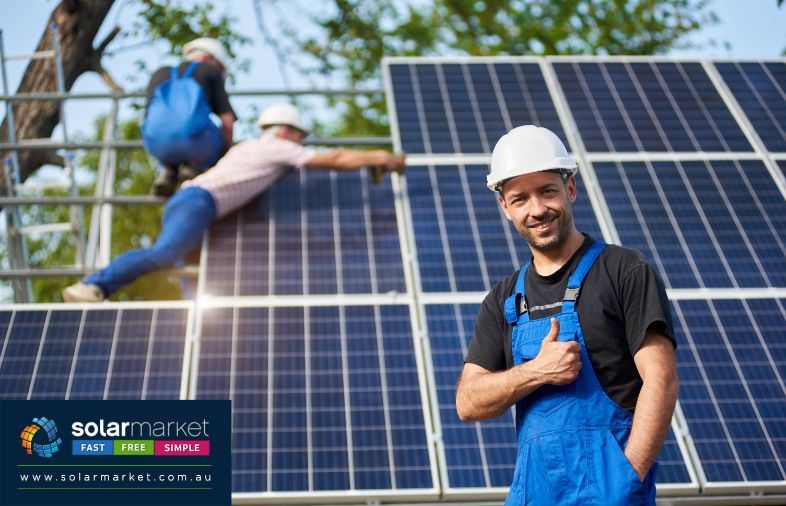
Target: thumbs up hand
<point>558,362</point>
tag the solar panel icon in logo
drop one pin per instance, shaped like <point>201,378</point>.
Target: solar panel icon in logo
<point>52,444</point>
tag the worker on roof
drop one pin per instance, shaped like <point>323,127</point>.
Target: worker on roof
<point>247,170</point>
<point>580,339</point>
<point>178,129</point>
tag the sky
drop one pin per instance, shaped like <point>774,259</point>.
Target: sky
<point>746,29</point>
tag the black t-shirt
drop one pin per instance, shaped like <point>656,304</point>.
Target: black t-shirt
<point>621,297</point>
<point>209,78</point>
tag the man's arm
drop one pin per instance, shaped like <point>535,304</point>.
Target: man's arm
<point>227,125</point>
<point>350,159</point>
<point>656,363</point>
<point>482,394</point>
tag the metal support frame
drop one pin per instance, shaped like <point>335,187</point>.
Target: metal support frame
<point>17,247</point>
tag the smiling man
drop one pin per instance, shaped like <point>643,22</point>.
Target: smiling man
<point>580,339</point>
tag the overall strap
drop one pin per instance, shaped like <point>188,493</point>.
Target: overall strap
<point>575,280</point>
<point>190,69</point>
<point>173,72</point>
<point>517,303</point>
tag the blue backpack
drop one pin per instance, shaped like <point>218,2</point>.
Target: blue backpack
<point>178,110</point>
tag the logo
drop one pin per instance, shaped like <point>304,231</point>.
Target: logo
<point>42,450</point>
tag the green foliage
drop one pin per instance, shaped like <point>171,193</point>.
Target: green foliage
<point>352,36</point>
<point>177,23</point>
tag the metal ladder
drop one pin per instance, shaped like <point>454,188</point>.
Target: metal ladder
<point>16,231</point>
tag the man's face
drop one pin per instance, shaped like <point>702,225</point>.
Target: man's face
<point>293,134</point>
<point>539,205</point>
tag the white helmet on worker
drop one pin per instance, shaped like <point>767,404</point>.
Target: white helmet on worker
<point>527,149</point>
<point>207,45</point>
<point>281,113</point>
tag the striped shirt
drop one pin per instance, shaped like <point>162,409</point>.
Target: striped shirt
<point>248,169</point>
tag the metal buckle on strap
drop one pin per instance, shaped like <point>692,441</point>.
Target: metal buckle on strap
<point>522,306</point>
<point>571,294</point>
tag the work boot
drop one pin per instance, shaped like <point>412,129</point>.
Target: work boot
<point>82,292</point>
<point>165,182</point>
<point>185,173</point>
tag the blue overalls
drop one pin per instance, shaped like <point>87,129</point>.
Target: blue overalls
<point>570,437</point>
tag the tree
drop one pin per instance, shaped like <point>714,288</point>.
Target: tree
<point>77,24</point>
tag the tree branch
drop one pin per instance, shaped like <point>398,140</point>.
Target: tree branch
<point>107,40</point>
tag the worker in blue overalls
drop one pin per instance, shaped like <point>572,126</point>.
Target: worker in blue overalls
<point>580,340</point>
<point>182,103</point>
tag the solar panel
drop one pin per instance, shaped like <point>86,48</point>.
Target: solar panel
<point>466,107</point>
<point>648,106</point>
<point>482,455</point>
<point>464,241</point>
<point>702,224</point>
<point>732,365</point>
<point>760,90</point>
<point>118,352</point>
<point>313,232</point>
<point>326,400</point>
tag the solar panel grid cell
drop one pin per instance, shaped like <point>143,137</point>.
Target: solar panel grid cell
<point>732,389</point>
<point>654,107</point>
<point>93,354</point>
<point>465,108</point>
<point>712,224</point>
<point>332,391</point>
<point>758,88</point>
<point>315,232</point>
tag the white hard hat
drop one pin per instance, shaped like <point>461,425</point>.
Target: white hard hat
<point>211,46</point>
<point>281,113</point>
<point>527,149</point>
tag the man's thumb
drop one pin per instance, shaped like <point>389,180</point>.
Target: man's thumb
<point>553,331</point>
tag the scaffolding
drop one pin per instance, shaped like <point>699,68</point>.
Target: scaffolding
<point>93,251</point>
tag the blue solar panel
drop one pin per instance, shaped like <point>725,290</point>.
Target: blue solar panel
<point>732,364</point>
<point>464,241</point>
<point>709,224</point>
<point>466,108</point>
<point>92,354</point>
<point>760,90</point>
<point>648,106</point>
<point>482,455</point>
<point>314,232</point>
<point>324,399</point>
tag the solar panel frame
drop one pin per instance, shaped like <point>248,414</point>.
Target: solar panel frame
<point>327,302</point>
<point>108,360</point>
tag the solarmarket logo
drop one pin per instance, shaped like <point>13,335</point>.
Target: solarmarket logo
<point>47,449</point>
<point>158,429</point>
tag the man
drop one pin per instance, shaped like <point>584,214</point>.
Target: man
<point>247,170</point>
<point>178,129</point>
<point>580,340</point>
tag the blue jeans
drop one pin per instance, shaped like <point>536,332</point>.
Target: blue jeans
<point>187,215</point>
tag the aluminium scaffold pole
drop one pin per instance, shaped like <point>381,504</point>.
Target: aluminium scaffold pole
<point>17,247</point>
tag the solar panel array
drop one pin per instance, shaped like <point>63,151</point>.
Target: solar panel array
<point>672,164</point>
<point>335,313</point>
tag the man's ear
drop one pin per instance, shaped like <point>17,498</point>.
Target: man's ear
<point>504,206</point>
<point>571,187</point>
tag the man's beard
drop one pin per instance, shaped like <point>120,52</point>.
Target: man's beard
<point>564,223</point>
